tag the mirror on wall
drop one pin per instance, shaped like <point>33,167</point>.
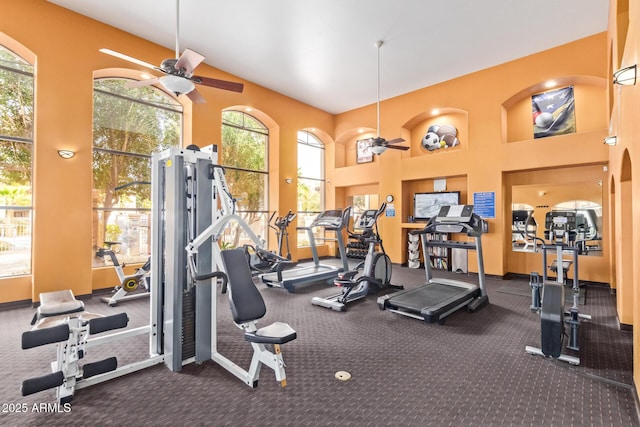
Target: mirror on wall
<point>571,213</point>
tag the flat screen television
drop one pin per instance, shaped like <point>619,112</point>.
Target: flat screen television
<point>427,205</point>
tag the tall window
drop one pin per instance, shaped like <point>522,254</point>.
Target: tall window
<point>310,181</point>
<point>128,125</point>
<point>245,147</point>
<point>16,144</point>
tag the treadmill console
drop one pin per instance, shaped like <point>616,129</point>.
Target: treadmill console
<point>456,219</point>
<point>330,219</point>
<point>455,213</point>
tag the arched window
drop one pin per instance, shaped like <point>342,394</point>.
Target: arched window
<point>245,148</point>
<point>16,146</point>
<point>128,125</point>
<point>310,181</point>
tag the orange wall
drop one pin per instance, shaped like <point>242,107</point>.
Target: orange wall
<point>624,50</point>
<point>64,49</point>
<point>489,107</point>
<point>492,111</point>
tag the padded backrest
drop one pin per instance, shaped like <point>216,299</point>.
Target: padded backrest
<point>246,302</point>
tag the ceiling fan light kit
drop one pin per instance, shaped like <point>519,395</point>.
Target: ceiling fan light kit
<point>177,85</point>
<point>179,78</point>
<point>378,149</point>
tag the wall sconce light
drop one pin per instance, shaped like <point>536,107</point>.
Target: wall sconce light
<point>611,140</point>
<point>288,180</point>
<point>625,76</point>
<point>66,154</point>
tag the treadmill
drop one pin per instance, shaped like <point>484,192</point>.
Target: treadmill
<point>331,220</point>
<point>440,297</point>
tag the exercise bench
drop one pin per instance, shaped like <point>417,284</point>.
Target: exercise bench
<point>61,319</point>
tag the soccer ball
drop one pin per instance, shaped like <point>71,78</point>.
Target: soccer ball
<point>431,141</point>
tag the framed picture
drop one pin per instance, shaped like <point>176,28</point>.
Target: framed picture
<point>553,113</point>
<point>363,151</point>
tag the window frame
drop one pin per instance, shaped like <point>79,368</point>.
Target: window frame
<point>308,214</point>
<point>172,106</point>
<point>26,141</point>
<point>262,129</point>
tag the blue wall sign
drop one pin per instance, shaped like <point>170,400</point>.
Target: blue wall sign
<point>484,204</point>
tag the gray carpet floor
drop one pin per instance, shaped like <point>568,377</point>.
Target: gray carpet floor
<point>472,370</point>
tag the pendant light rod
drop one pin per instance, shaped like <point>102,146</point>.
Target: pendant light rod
<point>379,44</point>
<point>177,28</point>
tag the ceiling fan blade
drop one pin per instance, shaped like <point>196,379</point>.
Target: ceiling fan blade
<point>196,97</point>
<point>395,141</point>
<point>219,84</point>
<point>142,83</point>
<point>397,147</point>
<point>128,58</point>
<point>188,61</point>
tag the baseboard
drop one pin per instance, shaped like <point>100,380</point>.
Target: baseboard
<point>625,326</point>
<point>15,304</point>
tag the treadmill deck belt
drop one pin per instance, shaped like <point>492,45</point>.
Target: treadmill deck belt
<point>434,300</point>
<point>304,275</point>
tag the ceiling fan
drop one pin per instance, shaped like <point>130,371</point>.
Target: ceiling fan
<point>379,145</point>
<point>178,72</point>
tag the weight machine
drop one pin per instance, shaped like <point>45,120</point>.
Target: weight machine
<point>548,297</point>
<point>187,188</point>
<point>186,265</point>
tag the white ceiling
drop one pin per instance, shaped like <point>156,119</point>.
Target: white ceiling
<point>322,52</point>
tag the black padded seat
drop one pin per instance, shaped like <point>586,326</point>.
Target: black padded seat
<point>246,301</point>
<point>275,333</point>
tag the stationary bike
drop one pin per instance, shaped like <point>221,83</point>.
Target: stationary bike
<point>375,270</point>
<point>262,261</point>
<point>128,284</point>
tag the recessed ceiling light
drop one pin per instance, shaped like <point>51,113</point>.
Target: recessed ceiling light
<point>248,109</point>
<point>360,130</point>
<point>145,76</point>
<point>435,111</point>
<point>550,83</point>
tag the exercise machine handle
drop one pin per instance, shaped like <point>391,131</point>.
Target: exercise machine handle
<point>217,275</point>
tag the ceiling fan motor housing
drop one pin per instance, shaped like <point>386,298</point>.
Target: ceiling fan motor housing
<point>169,67</point>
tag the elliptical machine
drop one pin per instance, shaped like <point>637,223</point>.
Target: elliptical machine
<point>547,297</point>
<point>375,269</point>
<point>128,286</point>
<point>280,226</point>
<point>262,261</point>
